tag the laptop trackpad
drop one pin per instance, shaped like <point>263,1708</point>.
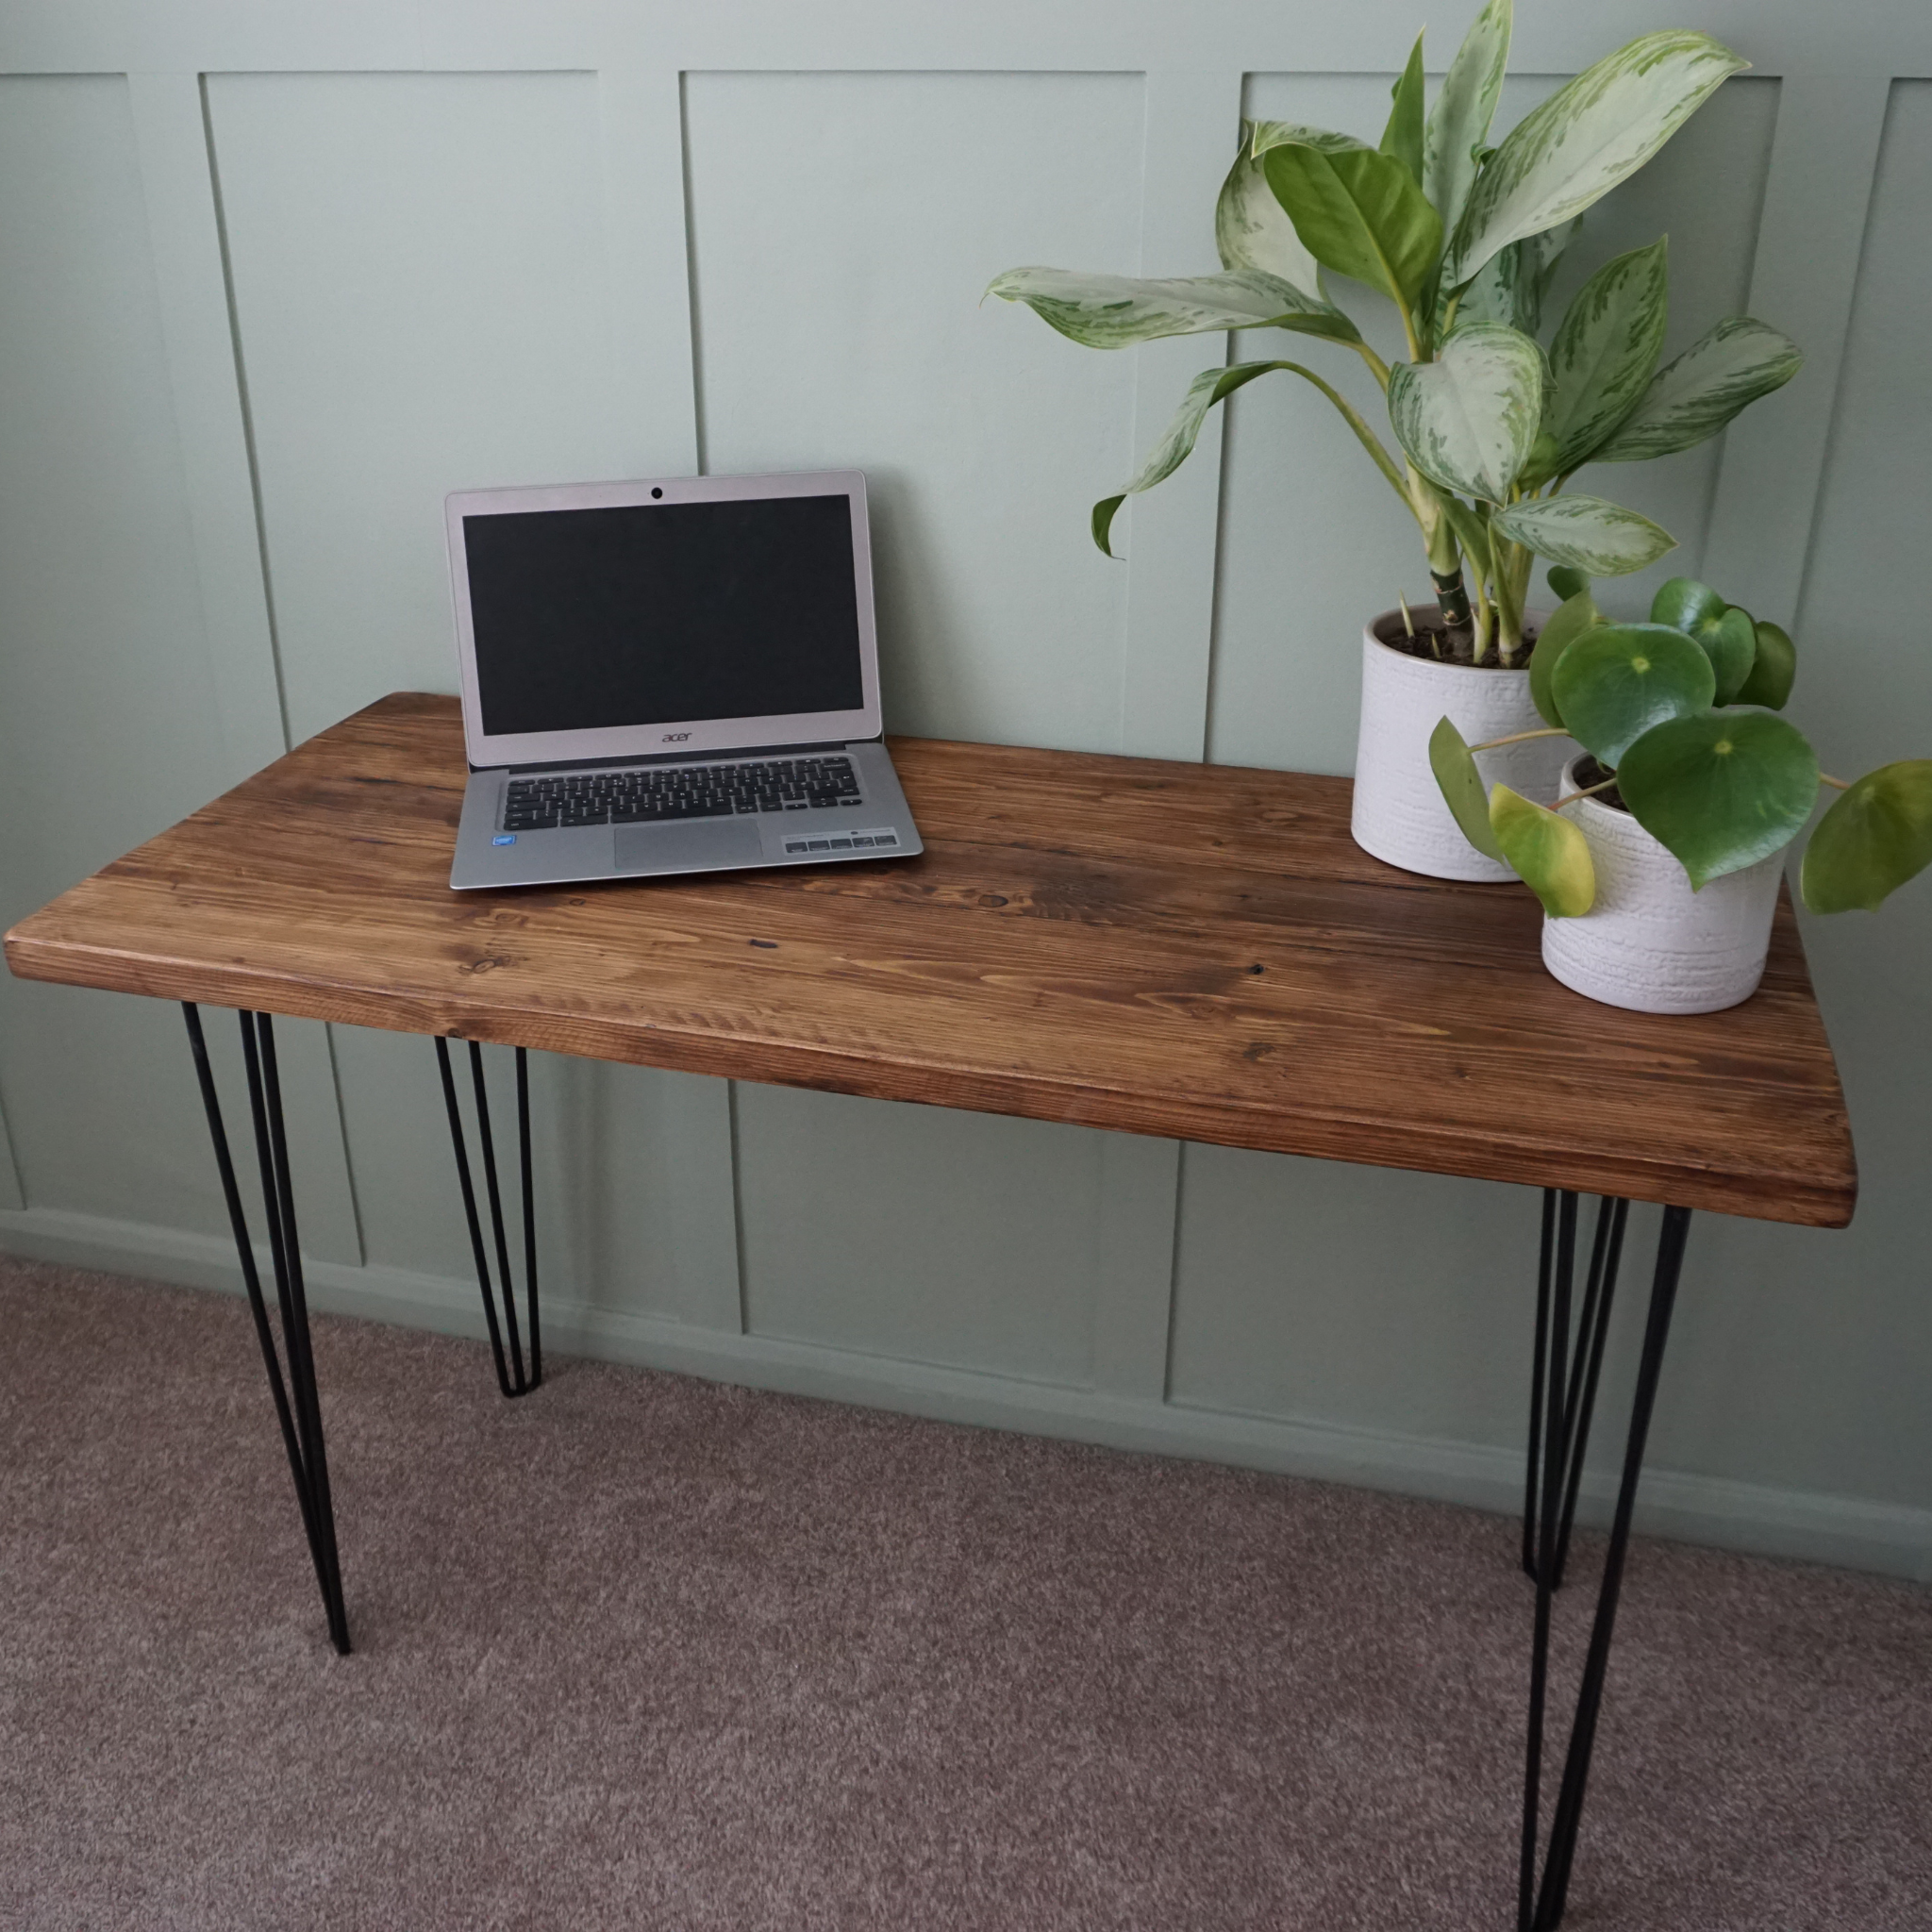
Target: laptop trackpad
<point>692,847</point>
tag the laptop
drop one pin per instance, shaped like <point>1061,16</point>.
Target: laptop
<point>677,676</point>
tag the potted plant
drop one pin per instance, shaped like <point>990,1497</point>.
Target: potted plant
<point>1658,872</point>
<point>1488,427</point>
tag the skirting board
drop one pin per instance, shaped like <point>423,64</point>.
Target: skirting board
<point>1889,1539</point>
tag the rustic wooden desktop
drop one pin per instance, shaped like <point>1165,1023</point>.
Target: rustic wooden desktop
<point>1183,950</point>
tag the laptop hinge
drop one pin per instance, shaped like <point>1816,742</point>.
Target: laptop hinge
<point>679,758</point>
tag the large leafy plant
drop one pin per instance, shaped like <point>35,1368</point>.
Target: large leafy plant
<point>1463,240</point>
<point>1681,716</point>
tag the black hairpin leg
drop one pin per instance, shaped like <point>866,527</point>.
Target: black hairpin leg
<point>298,1408</point>
<point>510,1376</point>
<point>1562,1396</point>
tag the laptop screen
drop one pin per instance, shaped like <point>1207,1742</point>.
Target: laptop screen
<point>601,618</point>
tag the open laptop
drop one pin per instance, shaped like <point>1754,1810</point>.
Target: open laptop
<point>669,677</point>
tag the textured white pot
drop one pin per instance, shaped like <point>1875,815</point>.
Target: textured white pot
<point>1399,814</point>
<point>1651,944</point>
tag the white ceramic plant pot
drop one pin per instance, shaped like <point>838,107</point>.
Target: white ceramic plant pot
<point>1649,943</point>
<point>1399,814</point>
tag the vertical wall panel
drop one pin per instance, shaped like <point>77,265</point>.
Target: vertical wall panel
<point>1353,1295</point>
<point>957,1239</point>
<point>108,730</point>
<point>423,293</point>
<point>838,315</point>
<point>419,281</point>
<point>840,258</point>
<point>1787,1322</point>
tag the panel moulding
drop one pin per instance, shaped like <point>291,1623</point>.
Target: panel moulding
<point>1892,1540</point>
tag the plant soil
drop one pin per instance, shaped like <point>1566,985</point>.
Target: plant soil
<point>1588,772</point>
<point>1442,645</point>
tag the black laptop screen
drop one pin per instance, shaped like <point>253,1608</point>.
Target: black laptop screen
<point>655,613</point>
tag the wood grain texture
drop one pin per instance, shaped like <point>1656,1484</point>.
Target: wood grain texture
<point>1183,950</point>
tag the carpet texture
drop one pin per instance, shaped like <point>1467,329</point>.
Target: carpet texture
<point>642,1652</point>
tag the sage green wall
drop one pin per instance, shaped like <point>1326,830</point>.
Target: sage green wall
<point>272,281</point>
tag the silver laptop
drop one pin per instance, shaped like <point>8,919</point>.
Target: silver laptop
<point>669,676</point>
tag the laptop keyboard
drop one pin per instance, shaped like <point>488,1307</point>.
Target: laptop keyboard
<point>636,796</point>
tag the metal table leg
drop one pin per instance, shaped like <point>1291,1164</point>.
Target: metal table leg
<point>298,1408</point>
<point>510,1375</point>
<point>1562,1396</point>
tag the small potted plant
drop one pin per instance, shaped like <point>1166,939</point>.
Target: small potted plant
<point>1488,427</point>
<point>1659,872</point>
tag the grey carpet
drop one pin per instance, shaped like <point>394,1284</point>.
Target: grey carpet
<point>642,1652</point>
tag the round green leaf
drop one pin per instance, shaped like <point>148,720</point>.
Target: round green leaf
<point>1577,614</point>
<point>1463,787</point>
<point>1731,644</point>
<point>1774,669</point>
<point>1875,837</point>
<point>1684,603</point>
<point>1614,684</point>
<point>1566,582</point>
<point>1722,790</point>
<point>1724,631</point>
<point>1548,854</point>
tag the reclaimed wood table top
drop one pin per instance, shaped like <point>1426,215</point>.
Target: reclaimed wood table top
<point>1189,950</point>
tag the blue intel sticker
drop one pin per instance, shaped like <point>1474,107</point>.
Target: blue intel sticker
<point>505,839</point>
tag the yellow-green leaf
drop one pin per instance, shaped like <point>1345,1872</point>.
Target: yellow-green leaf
<point>1873,839</point>
<point>1547,853</point>
<point>1463,787</point>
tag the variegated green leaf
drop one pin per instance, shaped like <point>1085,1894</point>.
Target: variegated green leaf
<point>1116,311</point>
<point>1605,350</point>
<point>1468,419</point>
<point>1403,136</point>
<point>1252,228</point>
<point>1177,441</point>
<point>1601,538</point>
<point>1585,139</point>
<point>1360,213</point>
<point>1262,134</point>
<point>1511,285</point>
<point>1210,388</point>
<point>1458,124</point>
<point>1693,397</point>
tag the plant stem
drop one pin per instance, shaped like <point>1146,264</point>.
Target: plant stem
<point>1839,784</point>
<point>1452,599</point>
<point>1603,785</point>
<point>1521,737</point>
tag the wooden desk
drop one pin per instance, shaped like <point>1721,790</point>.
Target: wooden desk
<point>1158,948</point>
<point>1183,950</point>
